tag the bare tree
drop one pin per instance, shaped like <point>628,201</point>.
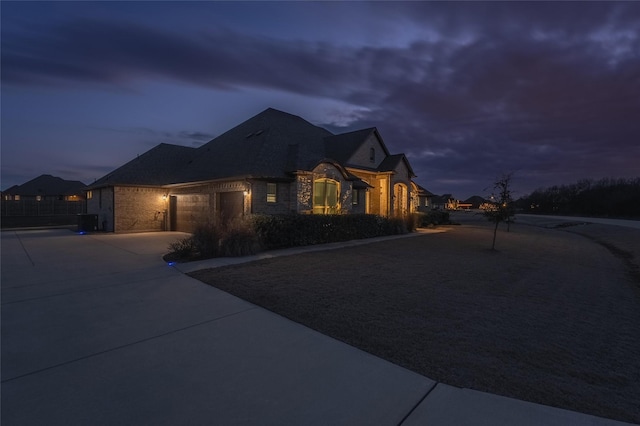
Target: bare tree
<point>502,204</point>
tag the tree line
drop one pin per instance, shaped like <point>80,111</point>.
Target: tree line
<point>596,198</point>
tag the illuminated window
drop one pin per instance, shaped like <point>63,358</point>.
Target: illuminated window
<point>89,195</point>
<point>372,155</point>
<point>16,197</point>
<point>272,189</point>
<point>355,199</point>
<point>325,196</point>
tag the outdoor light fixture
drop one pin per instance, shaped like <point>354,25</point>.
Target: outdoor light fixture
<point>164,197</point>
<point>246,192</point>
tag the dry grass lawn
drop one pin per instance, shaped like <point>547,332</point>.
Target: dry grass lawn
<point>552,317</point>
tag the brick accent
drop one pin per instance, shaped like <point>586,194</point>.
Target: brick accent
<point>139,209</point>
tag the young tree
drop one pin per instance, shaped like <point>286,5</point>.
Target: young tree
<point>502,204</point>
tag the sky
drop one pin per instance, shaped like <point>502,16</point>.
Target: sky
<point>468,91</point>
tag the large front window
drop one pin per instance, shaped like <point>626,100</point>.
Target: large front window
<point>325,196</point>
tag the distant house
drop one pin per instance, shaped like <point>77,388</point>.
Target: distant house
<point>46,187</point>
<point>273,163</point>
<point>441,202</point>
<point>425,200</point>
<point>45,200</point>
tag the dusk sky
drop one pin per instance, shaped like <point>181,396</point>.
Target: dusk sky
<point>468,91</point>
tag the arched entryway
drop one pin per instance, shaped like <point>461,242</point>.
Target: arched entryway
<point>400,199</point>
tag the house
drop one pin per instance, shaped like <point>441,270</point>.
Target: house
<point>273,163</point>
<point>425,200</point>
<point>45,200</point>
<point>46,187</point>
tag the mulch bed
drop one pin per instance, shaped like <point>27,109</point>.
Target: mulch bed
<point>552,317</point>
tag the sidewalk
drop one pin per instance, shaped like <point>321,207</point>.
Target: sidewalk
<point>96,329</point>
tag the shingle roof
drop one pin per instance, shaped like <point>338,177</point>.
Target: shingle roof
<point>159,166</point>
<point>423,192</point>
<point>391,162</point>
<point>341,147</point>
<point>47,185</point>
<point>270,144</point>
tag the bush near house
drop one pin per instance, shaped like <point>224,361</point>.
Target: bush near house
<point>267,232</point>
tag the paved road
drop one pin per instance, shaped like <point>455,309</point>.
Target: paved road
<point>96,329</point>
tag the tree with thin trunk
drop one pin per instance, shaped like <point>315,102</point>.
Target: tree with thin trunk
<point>501,209</point>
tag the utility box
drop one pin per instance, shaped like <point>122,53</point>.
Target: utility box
<point>87,222</point>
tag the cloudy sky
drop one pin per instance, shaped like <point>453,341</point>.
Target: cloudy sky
<point>468,91</point>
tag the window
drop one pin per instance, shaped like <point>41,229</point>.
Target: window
<point>372,155</point>
<point>271,192</point>
<point>16,197</point>
<point>355,199</point>
<point>89,195</point>
<point>325,196</point>
<point>426,202</point>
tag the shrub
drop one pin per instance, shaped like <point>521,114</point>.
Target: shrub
<point>182,249</point>
<point>206,239</point>
<point>239,239</point>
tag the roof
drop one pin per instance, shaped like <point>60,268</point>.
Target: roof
<point>47,185</point>
<point>391,163</point>
<point>423,192</point>
<point>158,166</point>
<point>271,144</point>
<point>341,147</point>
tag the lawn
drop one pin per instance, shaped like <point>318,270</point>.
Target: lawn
<point>551,317</point>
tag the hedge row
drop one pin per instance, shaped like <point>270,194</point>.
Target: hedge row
<point>261,232</point>
<point>300,230</point>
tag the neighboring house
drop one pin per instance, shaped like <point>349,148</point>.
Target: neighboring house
<point>273,163</point>
<point>425,200</point>
<point>46,187</point>
<point>441,202</point>
<point>52,199</point>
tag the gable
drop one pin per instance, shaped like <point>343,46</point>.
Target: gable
<point>371,152</point>
<point>361,149</point>
<point>398,164</point>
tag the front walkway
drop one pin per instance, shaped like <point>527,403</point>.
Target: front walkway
<point>96,329</point>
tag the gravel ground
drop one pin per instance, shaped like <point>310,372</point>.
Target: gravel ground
<point>552,316</point>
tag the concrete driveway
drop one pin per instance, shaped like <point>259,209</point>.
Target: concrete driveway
<point>97,329</point>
